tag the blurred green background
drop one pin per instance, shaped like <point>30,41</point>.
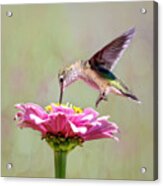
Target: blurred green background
<point>37,41</point>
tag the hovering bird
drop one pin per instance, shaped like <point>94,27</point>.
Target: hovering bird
<point>97,71</point>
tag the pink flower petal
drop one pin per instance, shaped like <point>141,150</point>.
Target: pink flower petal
<point>104,129</point>
<point>32,108</point>
<point>58,123</point>
<point>38,127</point>
<point>63,109</point>
<point>66,121</point>
<point>78,129</point>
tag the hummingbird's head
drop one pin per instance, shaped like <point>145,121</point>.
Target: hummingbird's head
<point>66,77</point>
<point>62,81</point>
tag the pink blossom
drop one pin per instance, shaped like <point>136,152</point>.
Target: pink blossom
<point>66,120</point>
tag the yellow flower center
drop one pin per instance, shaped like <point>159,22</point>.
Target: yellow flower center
<point>48,108</point>
<point>76,109</point>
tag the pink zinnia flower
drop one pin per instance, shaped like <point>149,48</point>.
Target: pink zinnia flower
<point>65,126</point>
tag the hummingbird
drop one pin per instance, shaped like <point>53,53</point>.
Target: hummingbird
<point>97,71</point>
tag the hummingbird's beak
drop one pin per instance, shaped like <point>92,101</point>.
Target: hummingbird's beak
<point>61,93</point>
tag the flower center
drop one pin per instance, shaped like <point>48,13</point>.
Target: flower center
<point>63,144</point>
<point>48,108</point>
<point>76,109</point>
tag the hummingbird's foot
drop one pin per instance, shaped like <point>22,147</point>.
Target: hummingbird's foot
<point>98,101</point>
<point>100,98</point>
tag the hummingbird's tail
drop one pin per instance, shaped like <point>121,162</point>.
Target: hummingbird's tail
<point>131,96</point>
<point>123,90</point>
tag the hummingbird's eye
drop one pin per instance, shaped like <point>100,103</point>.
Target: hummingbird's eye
<point>61,79</point>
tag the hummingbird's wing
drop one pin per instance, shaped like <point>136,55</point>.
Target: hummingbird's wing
<point>108,56</point>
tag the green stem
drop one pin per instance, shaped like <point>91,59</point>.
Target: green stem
<point>60,164</point>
